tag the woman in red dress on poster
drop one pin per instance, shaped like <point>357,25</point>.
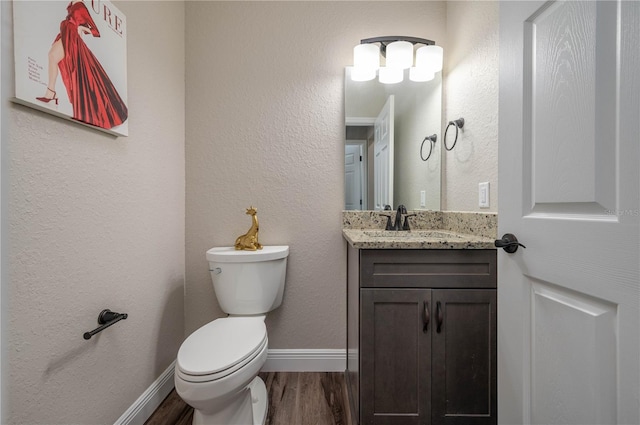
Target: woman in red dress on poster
<point>94,99</point>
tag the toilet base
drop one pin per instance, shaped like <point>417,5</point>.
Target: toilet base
<point>248,409</point>
<point>260,401</point>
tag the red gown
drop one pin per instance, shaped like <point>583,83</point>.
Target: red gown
<point>93,96</point>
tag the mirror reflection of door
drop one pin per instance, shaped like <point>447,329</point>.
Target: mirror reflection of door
<point>359,131</point>
<point>355,179</point>
<point>375,137</point>
<point>383,156</point>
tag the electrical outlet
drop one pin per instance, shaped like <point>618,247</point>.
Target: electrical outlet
<point>483,195</point>
<point>423,198</point>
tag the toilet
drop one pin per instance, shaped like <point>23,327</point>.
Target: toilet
<point>217,366</point>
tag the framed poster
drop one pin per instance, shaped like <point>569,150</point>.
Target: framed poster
<point>71,61</point>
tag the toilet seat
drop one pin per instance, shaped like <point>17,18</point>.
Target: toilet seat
<point>220,348</point>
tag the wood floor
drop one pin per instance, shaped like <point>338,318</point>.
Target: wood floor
<point>295,398</point>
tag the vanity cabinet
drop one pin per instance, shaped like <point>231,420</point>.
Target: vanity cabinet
<point>422,336</point>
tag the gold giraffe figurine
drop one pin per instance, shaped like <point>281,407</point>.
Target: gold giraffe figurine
<point>249,241</point>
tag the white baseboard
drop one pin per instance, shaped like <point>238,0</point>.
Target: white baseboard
<point>149,401</point>
<point>305,360</point>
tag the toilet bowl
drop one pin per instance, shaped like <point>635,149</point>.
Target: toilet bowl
<point>215,368</point>
<point>217,365</point>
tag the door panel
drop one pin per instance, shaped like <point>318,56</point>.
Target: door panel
<point>353,177</point>
<point>570,84</point>
<point>573,347</point>
<point>383,145</point>
<point>568,341</point>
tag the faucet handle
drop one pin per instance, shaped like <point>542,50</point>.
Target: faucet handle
<point>405,226</point>
<point>389,225</point>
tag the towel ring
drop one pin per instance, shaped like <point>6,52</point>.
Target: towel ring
<point>458,124</point>
<point>432,139</point>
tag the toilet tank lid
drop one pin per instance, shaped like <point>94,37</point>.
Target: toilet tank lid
<point>228,254</point>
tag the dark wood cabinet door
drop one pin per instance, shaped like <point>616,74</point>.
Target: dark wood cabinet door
<point>464,385</point>
<point>395,346</point>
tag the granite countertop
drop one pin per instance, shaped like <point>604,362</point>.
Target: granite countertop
<point>430,230</point>
<point>415,239</point>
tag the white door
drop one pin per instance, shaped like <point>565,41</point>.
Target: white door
<point>383,156</point>
<point>568,170</point>
<point>353,174</point>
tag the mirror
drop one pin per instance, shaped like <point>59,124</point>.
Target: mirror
<point>392,173</point>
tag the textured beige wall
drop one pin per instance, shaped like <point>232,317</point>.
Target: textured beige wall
<point>97,222</point>
<point>471,91</point>
<point>265,127</point>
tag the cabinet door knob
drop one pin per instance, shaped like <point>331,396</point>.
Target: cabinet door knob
<point>439,317</point>
<point>426,317</point>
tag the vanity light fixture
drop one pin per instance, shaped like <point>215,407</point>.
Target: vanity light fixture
<point>399,54</point>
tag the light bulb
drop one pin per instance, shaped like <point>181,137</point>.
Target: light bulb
<point>362,74</point>
<point>366,56</point>
<point>420,75</point>
<point>390,75</point>
<point>429,57</point>
<point>399,54</point>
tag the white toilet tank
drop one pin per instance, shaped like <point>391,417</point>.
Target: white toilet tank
<point>248,282</point>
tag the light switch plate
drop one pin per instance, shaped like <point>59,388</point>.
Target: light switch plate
<point>423,198</point>
<point>483,195</point>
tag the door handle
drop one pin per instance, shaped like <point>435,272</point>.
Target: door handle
<point>439,317</point>
<point>509,243</point>
<point>425,317</point>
